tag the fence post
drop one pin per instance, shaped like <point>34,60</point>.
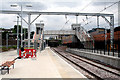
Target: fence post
<point>108,48</point>
<point>118,48</point>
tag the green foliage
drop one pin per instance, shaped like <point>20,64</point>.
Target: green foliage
<point>31,35</point>
<point>60,42</point>
<point>4,35</point>
<point>25,32</point>
<point>1,28</point>
<point>4,49</point>
<point>15,29</point>
<point>51,38</point>
<point>11,47</point>
<point>15,47</point>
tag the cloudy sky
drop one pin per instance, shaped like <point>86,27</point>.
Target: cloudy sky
<point>59,22</point>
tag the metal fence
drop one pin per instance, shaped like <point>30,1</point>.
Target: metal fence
<point>101,48</point>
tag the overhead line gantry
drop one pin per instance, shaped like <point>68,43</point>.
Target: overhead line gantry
<point>29,13</point>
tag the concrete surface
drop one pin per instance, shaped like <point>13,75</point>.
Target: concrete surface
<point>110,60</point>
<point>8,55</point>
<point>47,65</point>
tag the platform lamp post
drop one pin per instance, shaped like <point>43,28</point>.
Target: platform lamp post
<point>15,5</point>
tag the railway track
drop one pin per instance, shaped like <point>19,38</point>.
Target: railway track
<point>100,72</point>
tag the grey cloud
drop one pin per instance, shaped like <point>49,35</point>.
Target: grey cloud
<point>101,3</point>
<point>35,5</point>
<point>54,22</point>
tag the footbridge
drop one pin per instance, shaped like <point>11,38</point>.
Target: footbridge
<point>76,29</point>
<point>59,32</point>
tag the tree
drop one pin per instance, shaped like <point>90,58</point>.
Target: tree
<point>4,34</point>
<point>26,32</point>
<point>15,29</point>
<point>51,38</point>
<point>31,35</point>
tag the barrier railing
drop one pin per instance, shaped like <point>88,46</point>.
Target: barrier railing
<point>27,53</point>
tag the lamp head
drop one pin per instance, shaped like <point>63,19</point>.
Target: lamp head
<point>14,5</point>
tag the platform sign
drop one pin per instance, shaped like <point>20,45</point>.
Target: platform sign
<point>27,53</point>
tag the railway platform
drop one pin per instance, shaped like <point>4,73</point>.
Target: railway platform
<point>47,64</point>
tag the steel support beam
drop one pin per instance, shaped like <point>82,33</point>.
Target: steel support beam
<point>21,28</point>
<point>111,23</point>
<point>55,13</point>
<point>106,20</point>
<point>98,21</point>
<point>35,18</point>
<point>112,30</point>
<point>23,19</point>
<point>76,19</point>
<point>40,40</point>
<point>105,38</point>
<point>29,19</point>
<point>43,38</point>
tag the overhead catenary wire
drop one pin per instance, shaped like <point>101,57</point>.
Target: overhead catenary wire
<point>87,18</point>
<point>86,5</point>
<point>80,10</point>
<point>109,6</point>
<point>65,22</point>
<point>101,10</point>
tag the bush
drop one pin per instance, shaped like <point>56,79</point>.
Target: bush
<point>4,49</point>
<point>14,47</point>
<point>11,47</point>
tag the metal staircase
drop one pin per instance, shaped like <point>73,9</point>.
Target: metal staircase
<point>85,38</point>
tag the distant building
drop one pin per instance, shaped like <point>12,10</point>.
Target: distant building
<point>7,30</point>
<point>96,31</point>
